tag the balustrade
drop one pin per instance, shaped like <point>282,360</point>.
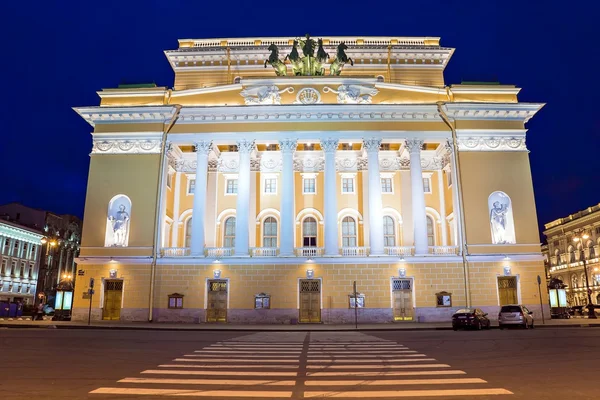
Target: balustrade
<point>354,251</point>
<point>264,251</point>
<point>219,252</point>
<point>175,252</point>
<point>309,251</point>
<point>399,250</point>
<point>443,250</point>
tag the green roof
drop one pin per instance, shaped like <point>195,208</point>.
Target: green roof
<point>136,85</point>
<point>479,83</point>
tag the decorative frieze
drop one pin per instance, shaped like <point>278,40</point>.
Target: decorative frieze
<point>263,94</point>
<point>492,143</point>
<point>126,146</point>
<point>308,163</point>
<point>353,94</point>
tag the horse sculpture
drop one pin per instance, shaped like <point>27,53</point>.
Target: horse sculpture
<point>275,62</point>
<point>340,59</point>
<point>322,58</point>
<point>295,59</point>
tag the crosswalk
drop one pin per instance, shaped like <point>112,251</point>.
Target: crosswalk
<point>257,369</point>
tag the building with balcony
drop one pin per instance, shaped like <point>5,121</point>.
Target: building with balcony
<point>255,194</point>
<point>565,255</point>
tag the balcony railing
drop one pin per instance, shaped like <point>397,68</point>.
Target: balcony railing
<point>443,250</point>
<point>309,251</point>
<point>399,250</point>
<point>264,251</point>
<point>219,252</point>
<point>175,251</point>
<point>354,251</point>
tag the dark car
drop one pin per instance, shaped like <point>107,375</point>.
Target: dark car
<point>470,318</point>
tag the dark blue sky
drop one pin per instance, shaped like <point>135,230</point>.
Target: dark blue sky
<point>57,54</point>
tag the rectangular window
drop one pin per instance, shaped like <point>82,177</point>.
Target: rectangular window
<point>232,147</point>
<point>309,185</point>
<point>262,301</point>
<point>426,185</point>
<point>449,178</point>
<point>385,146</point>
<point>6,246</point>
<point>386,185</point>
<point>271,185</point>
<point>347,185</point>
<point>358,301</point>
<point>32,255</point>
<point>22,270</point>
<point>191,186</point>
<point>175,301</point>
<point>30,273</point>
<point>3,268</point>
<point>346,146</point>
<point>24,255</point>
<point>13,268</point>
<point>16,249</point>
<point>231,186</point>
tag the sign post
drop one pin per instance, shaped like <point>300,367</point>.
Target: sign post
<point>355,307</point>
<point>539,281</point>
<point>91,292</point>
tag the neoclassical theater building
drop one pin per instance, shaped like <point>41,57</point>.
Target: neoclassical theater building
<point>290,180</point>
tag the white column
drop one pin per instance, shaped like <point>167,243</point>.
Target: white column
<point>286,230</point>
<point>245,147</point>
<point>455,202</point>
<point>442,190</point>
<point>176,195</point>
<point>375,204</point>
<point>329,147</point>
<point>418,196</point>
<point>202,149</point>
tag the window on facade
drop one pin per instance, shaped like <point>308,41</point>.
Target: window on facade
<point>6,246</point>
<point>309,147</point>
<point>271,147</point>
<point>430,232</point>
<point>32,253</point>
<point>16,249</point>
<point>13,268</point>
<point>30,273</point>
<point>309,232</point>
<point>237,80</point>
<point>229,237</point>
<point>175,300</point>
<point>232,147</point>
<point>346,146</point>
<point>270,232</point>
<point>3,268</point>
<point>188,233</point>
<point>427,185</point>
<point>356,302</point>
<point>22,270</point>
<point>231,186</point>
<point>191,186</point>
<point>347,185</point>
<point>262,300</point>
<point>389,233</point>
<point>449,177</point>
<point>24,250</point>
<point>309,185</point>
<point>348,232</point>
<point>271,185</point>
<point>385,146</point>
<point>386,185</point>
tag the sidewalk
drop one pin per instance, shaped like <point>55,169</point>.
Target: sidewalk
<point>399,326</point>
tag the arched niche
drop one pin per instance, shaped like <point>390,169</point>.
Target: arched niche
<point>118,220</point>
<point>502,222</point>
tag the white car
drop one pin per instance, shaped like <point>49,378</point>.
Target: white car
<point>515,314</point>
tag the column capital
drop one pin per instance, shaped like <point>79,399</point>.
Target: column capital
<point>203,146</point>
<point>414,145</point>
<point>245,146</point>
<point>372,145</point>
<point>288,145</point>
<point>329,145</point>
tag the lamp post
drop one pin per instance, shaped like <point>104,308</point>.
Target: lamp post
<point>580,238</point>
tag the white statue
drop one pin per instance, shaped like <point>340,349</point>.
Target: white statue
<point>120,226</point>
<point>353,94</point>
<point>498,222</point>
<point>263,94</point>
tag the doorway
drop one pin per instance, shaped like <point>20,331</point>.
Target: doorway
<point>113,295</point>
<point>216,310</point>
<point>507,290</point>
<point>310,300</point>
<point>402,296</point>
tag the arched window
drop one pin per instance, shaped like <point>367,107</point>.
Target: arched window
<point>501,218</point>
<point>389,232</point>
<point>229,236</point>
<point>380,78</point>
<point>270,232</point>
<point>309,232</point>
<point>571,254</point>
<point>188,233</point>
<point>348,232</point>
<point>118,220</point>
<point>237,80</point>
<point>430,232</point>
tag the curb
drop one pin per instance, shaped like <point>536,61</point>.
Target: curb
<point>263,329</point>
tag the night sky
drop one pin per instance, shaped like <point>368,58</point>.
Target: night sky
<point>57,57</point>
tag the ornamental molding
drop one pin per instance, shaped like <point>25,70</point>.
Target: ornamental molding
<point>126,146</point>
<point>270,161</point>
<point>101,115</point>
<point>312,162</point>
<point>491,140</point>
<point>13,232</point>
<point>308,96</point>
<point>353,94</point>
<point>288,145</point>
<point>414,145</point>
<point>492,111</point>
<point>261,95</point>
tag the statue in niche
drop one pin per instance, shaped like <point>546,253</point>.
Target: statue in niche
<point>498,222</point>
<point>120,225</point>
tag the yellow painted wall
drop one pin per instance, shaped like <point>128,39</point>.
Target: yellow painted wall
<point>135,176</point>
<point>486,172</point>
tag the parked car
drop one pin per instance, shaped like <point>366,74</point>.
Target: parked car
<point>470,318</point>
<point>515,314</point>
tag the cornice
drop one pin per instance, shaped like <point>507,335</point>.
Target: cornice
<point>126,146</point>
<point>102,115</point>
<point>141,92</point>
<point>492,111</point>
<point>14,232</point>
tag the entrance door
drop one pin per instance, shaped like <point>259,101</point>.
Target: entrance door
<point>217,301</point>
<point>113,293</point>
<point>310,300</point>
<point>403,302</point>
<point>507,290</point>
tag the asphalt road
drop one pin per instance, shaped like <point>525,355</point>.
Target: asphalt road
<point>113,364</point>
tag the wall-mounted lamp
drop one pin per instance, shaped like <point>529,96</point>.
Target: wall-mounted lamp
<point>310,274</point>
<point>402,272</point>
<point>216,273</point>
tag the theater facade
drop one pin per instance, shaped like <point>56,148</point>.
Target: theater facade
<point>292,180</point>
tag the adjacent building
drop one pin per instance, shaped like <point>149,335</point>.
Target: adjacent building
<point>571,241</point>
<point>265,188</point>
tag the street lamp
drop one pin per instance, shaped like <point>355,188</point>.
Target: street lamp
<point>64,294</point>
<point>581,238</point>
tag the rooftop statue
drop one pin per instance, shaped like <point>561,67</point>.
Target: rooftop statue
<point>340,59</point>
<point>275,62</point>
<point>295,59</point>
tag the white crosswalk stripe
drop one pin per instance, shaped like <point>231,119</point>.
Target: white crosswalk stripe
<point>258,369</point>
